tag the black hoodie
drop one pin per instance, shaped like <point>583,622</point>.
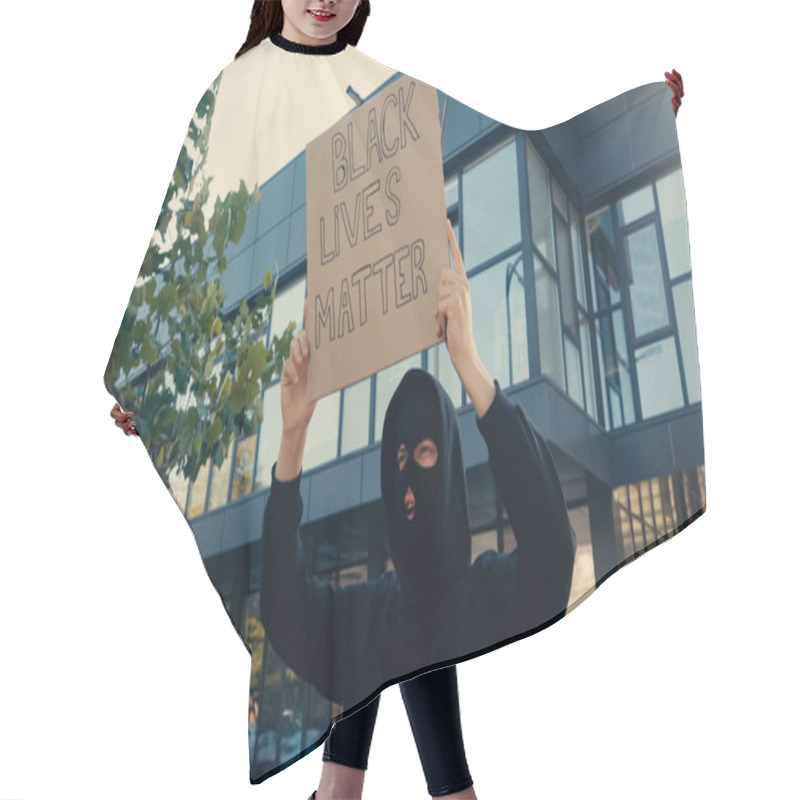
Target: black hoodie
<point>352,641</point>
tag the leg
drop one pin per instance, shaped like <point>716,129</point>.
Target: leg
<point>345,755</point>
<point>433,710</point>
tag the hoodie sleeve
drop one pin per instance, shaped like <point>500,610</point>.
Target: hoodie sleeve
<point>526,478</point>
<point>319,630</point>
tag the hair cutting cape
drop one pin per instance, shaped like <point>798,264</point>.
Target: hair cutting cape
<point>358,574</point>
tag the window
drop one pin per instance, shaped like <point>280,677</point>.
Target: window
<point>602,370</point>
<point>577,256</point>
<point>288,307</point>
<point>648,297</point>
<point>574,377</point>
<point>541,210</point>
<point>491,206</point>
<point>517,321</point>
<point>323,432</point>
<point>566,276</point>
<point>588,374</point>
<point>659,377</point>
<point>496,338</point>
<point>197,494</point>
<point>355,416</point>
<point>269,435</point>
<point>603,259</point>
<point>441,366</point>
<point>548,318</point>
<point>672,210</point>
<point>623,367</point>
<point>243,463</point>
<point>220,477</point>
<point>687,336</point>
<point>636,205</point>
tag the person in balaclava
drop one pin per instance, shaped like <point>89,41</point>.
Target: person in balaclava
<point>435,608</point>
<point>424,496</point>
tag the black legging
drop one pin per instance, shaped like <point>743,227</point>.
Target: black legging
<point>432,706</point>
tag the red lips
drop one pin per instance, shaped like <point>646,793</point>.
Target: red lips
<point>409,503</point>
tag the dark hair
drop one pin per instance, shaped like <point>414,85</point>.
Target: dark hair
<point>266,18</point>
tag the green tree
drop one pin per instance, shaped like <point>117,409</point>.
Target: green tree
<point>173,330</point>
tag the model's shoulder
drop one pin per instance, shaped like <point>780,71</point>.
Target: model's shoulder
<point>252,61</point>
<point>353,58</point>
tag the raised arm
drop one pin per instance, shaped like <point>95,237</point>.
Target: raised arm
<point>520,460</point>
<point>319,630</point>
<point>526,478</point>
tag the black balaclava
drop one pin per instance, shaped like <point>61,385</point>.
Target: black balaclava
<point>419,419</point>
<point>431,552</point>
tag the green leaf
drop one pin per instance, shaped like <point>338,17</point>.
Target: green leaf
<point>139,330</point>
<point>197,224</point>
<point>206,104</point>
<point>181,377</point>
<point>164,420</point>
<point>149,352</point>
<point>183,169</point>
<point>215,432</point>
<point>218,454</point>
<point>237,397</point>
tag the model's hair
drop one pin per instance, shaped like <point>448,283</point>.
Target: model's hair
<point>266,18</point>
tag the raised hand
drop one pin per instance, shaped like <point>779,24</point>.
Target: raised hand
<point>454,309</point>
<point>124,420</point>
<point>454,321</point>
<point>675,82</point>
<point>296,410</point>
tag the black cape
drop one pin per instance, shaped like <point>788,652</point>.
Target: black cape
<point>577,240</point>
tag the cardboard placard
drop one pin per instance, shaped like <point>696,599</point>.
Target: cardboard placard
<point>377,241</point>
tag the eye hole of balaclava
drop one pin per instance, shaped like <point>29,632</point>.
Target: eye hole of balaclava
<point>418,512</point>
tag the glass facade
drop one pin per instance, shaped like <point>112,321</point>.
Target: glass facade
<point>638,260</point>
<point>490,213</point>
<point>562,310</point>
<point>612,286</point>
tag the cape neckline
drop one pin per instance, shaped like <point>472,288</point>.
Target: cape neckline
<point>308,49</point>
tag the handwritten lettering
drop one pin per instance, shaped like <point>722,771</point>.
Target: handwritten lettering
<point>401,278</point>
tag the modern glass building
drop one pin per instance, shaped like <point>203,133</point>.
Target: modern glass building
<point>581,286</point>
